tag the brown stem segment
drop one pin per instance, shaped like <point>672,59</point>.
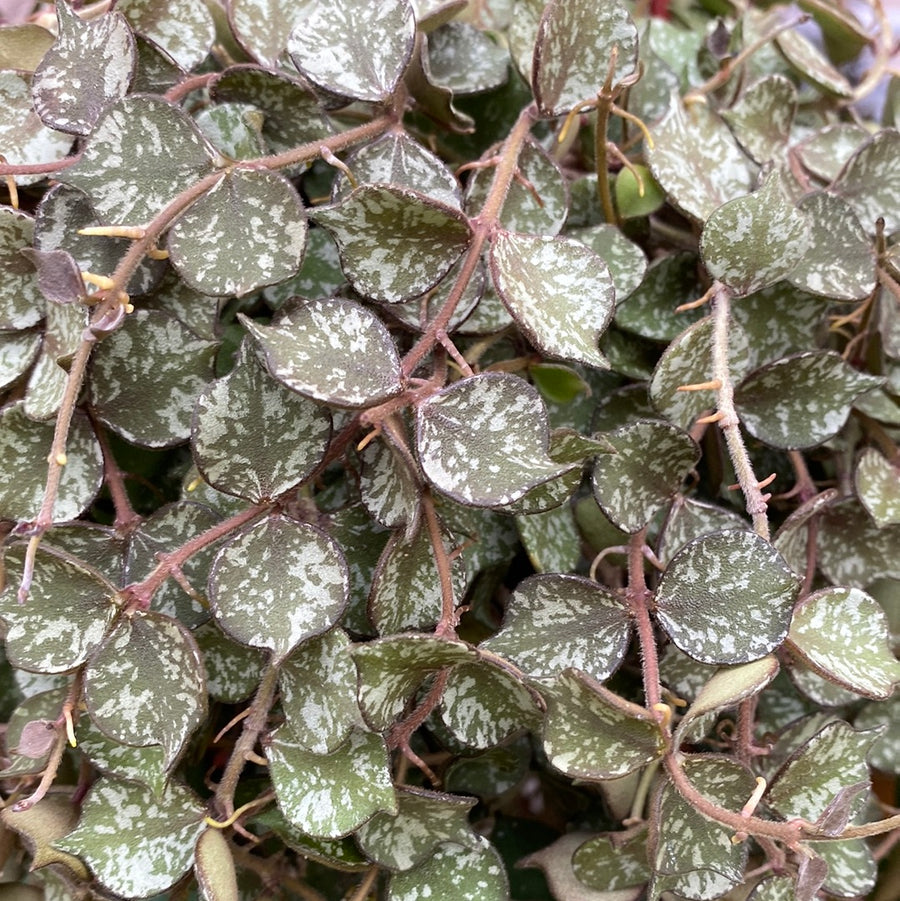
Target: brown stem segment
<point>639,597</point>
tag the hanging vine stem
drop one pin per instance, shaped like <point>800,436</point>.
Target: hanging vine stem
<point>639,597</point>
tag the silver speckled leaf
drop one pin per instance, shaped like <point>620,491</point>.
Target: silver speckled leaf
<point>145,684</point>
<point>142,153</point>
<point>146,377</point>
<point>465,59</point>
<point>727,598</point>
<point>246,232</point>
<point>574,46</point>
<point>135,844</point>
<point>802,400</point>
<point>878,487</point>
<point>606,867</point>
<point>318,693</point>
<point>394,243</point>
<point>455,871</point>
<point>262,27</point>
<point>754,241</point>
<point>331,795</point>
<point>255,438</point>
<point>335,351</point>
<point>843,634</point>
<point>484,440</point>
<point>762,116</point>
<point>870,181</point>
<point>232,670</point>
<point>554,621</point>
<point>389,484</point>
<point>651,461</point>
<point>550,538</point>
<point>21,302</point>
<point>354,48</point>
<point>24,446</point>
<point>811,64</point>
<point>558,291</point>
<point>626,261</point>
<point>277,584</point>
<point>182,28</point>
<point>90,65</point>
<point>852,870</point>
<point>18,350</point>
<point>65,617</point>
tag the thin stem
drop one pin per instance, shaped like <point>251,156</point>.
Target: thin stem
<point>126,519</point>
<point>194,83</point>
<point>601,162</point>
<point>365,886</point>
<point>638,597</point>
<point>253,726</point>
<point>48,776</point>
<point>447,626</point>
<point>38,168</point>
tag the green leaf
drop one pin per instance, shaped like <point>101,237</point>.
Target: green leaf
<point>484,440</point>
<point>688,360</point>
<point>145,684</point>
<point>18,350</point>
<point>232,670</point>
<point>318,693</point>
<point>423,820</point>
<point>21,302</point>
<point>590,733</point>
<point>813,777</point>
<point>331,795</point>
<point>90,65</point>
<point>41,707</point>
<point>26,140</point>
<point>631,484</point>
<point>337,854</point>
<point>538,206</point>
<point>825,152</point>
<point>697,160</point>
<point>762,117</point>
<point>649,310</point>
<point>142,153</point>
<point>752,242</point>
<point>135,844</point>
<point>554,621</point>
<point>551,539</point>
<point>483,705</point>
<point>625,259</point>
<point>878,487</point>
<point>870,182</point>
<point>885,715</point>
<point>254,438</point>
<point>320,274</point>
<point>214,867</point>
<point>183,29</point>
<point>775,888</point>
<point>394,243</point>
<point>391,669</point>
<point>558,291</point>
<point>278,583</point>
<point>335,351</point>
<point>727,598</point>
<point>693,856</point>
<point>851,550</point>
<point>843,634</point>
<point>840,263</point>
<point>486,65</point>
<point>24,446</point>
<point>353,49</point>
<point>249,230</point>
<point>852,871</point>
<point>262,27</point>
<point>688,519</point>
<point>397,159</point>
<point>606,864</point>
<point>574,47</point>
<point>476,874</point>
<point>811,65</point>
<point>637,193</point>
<point>822,389</point>
<point>406,589</point>
<point>389,484</point>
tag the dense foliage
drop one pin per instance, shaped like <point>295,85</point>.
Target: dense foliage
<point>450,450</point>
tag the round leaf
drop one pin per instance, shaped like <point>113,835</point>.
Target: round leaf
<point>484,440</point>
<point>727,598</point>
<point>558,290</point>
<point>262,27</point>
<point>278,583</point>
<point>182,28</point>
<point>394,243</point>
<point>21,302</point>
<point>870,182</point>
<point>145,684</point>
<point>254,438</point>
<point>335,351</point>
<point>247,231</point>
<point>878,487</point>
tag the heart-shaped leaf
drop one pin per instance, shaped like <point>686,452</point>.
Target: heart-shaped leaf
<point>575,44</point>
<point>761,118</point>
<point>822,388</point>
<point>118,817</point>
<point>353,49</point>
<point>626,261</point>
<point>18,350</point>
<point>388,483</point>
<point>249,230</point>
<point>183,29</point>
<point>588,628</point>
<point>820,632</point>
<point>558,291</point>
<point>870,183</point>
<point>688,519</point>
<point>487,62</point>
<point>277,584</point>
<point>727,598</point>
<point>254,438</point>
<point>263,27</point>
<point>21,302</point>
<point>232,670</point>
<point>878,487</point>
<point>550,539</point>
<point>335,351</point>
<point>394,243</point>
<point>752,242</point>
<point>852,871</point>
<point>331,795</point>
<point>651,461</point>
<point>145,684</point>
<point>90,65</point>
<point>477,873</point>
<point>607,867</point>
<point>484,440</point>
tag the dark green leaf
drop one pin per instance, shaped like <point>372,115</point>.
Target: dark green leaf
<point>263,26</point>
<point>551,539</point>
<point>21,302</point>
<point>762,117</point>
<point>870,182</point>
<point>18,350</point>
<point>555,621</point>
<point>608,867</point>
<point>182,28</point>
<point>688,519</point>
<point>878,487</point>
<point>278,583</point>
<point>337,854</point>
<point>625,259</point>
<point>232,670</point>
<point>486,62</point>
<point>852,871</point>
<point>727,598</point>
<point>389,483</point>
<point>851,550</point>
